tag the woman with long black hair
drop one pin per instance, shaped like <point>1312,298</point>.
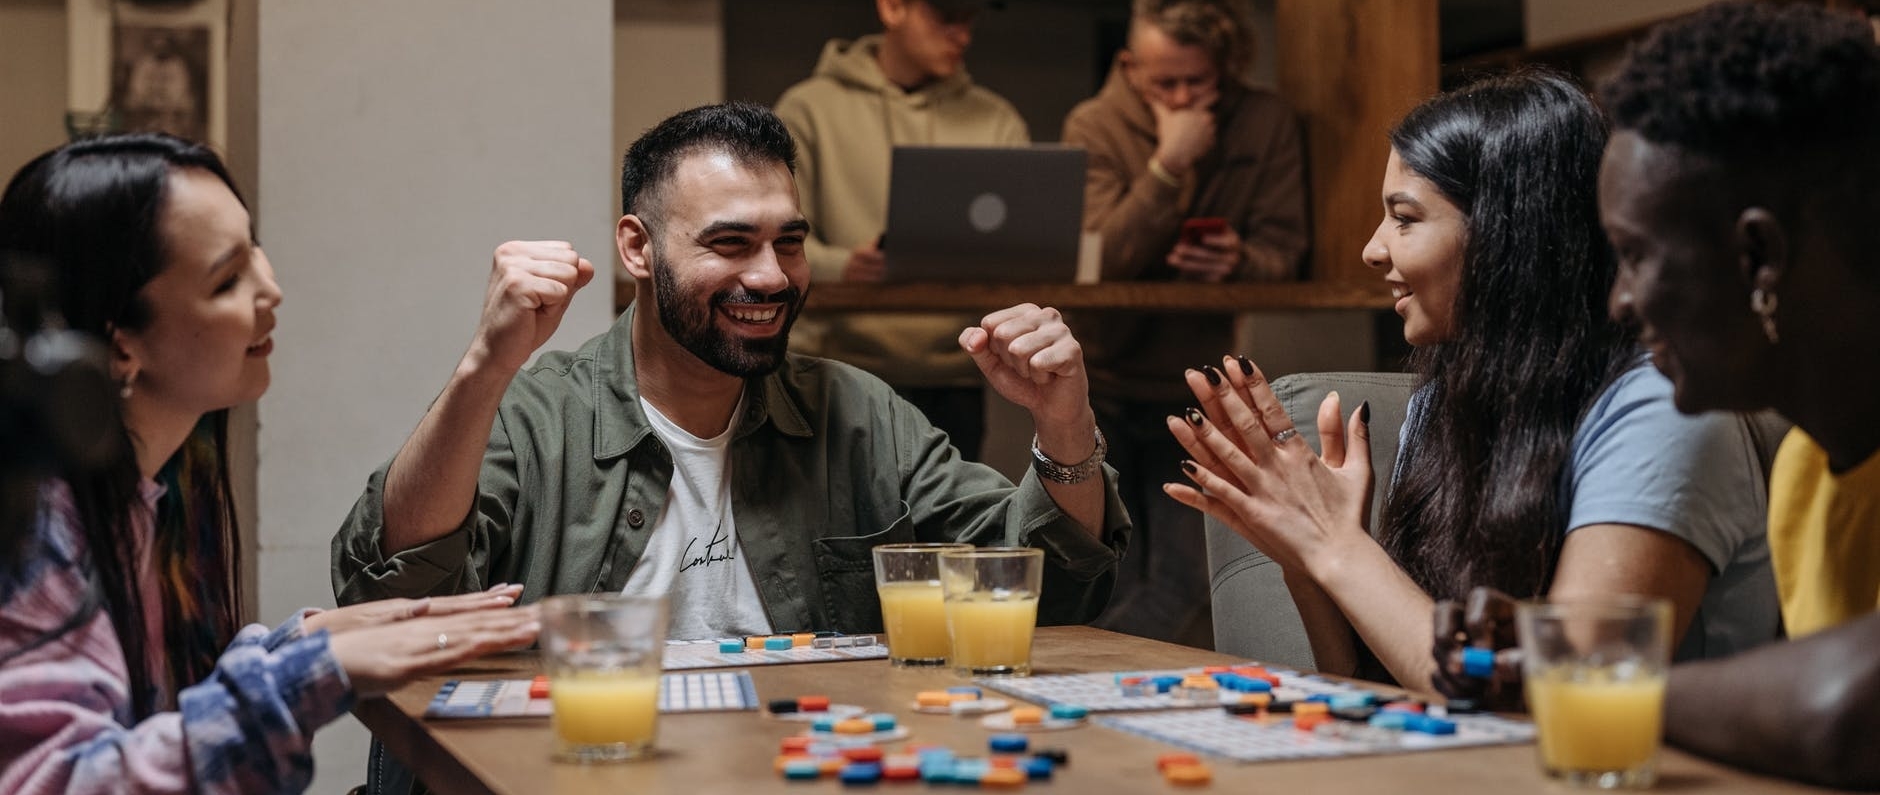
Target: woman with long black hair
<point>122,664</point>
<point>1541,454</point>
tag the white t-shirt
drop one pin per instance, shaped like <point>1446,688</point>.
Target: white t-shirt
<point>693,555</point>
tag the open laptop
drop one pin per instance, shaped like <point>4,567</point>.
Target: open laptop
<point>984,214</point>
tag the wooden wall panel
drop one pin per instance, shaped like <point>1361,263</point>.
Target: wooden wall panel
<point>1351,68</point>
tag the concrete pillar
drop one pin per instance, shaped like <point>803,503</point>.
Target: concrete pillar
<point>396,144</point>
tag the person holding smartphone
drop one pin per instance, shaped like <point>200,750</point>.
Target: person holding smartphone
<point>1196,177</point>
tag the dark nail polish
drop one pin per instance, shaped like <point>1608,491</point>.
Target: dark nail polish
<point>1214,376</point>
<point>1189,467</point>
<point>1246,366</point>
<point>1364,412</point>
<point>1195,417</point>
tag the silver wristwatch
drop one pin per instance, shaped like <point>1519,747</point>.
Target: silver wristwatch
<point>1069,473</point>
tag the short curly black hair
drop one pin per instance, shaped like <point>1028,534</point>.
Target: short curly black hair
<point>1751,78</point>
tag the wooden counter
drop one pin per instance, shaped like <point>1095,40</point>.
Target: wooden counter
<point>1161,297</point>
<point>1136,296</point>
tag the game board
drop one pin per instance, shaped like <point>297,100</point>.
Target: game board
<point>688,654</point>
<point>1246,740</point>
<point>1202,726</point>
<point>716,691</point>
<point>1099,692</point>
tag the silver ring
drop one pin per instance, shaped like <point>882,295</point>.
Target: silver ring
<point>442,641</point>
<point>1285,436</point>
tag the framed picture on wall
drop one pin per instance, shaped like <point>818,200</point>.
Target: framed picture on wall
<point>160,79</point>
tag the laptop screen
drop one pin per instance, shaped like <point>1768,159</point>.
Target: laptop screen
<point>984,214</point>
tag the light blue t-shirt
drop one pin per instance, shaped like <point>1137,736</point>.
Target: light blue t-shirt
<point>1636,460</point>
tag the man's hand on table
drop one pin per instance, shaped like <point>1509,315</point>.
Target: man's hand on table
<point>1483,628</point>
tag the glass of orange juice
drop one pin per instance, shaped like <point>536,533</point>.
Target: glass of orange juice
<point>907,578</point>
<point>991,598</point>
<point>602,655</point>
<point>1595,677</point>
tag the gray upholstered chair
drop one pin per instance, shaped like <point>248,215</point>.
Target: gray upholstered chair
<point>1254,616</point>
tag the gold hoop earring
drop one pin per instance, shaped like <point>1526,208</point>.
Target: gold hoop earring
<point>1763,303</point>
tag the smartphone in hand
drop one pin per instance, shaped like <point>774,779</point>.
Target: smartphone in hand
<point>1195,229</point>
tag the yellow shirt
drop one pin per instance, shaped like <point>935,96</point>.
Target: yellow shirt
<point>1824,536</point>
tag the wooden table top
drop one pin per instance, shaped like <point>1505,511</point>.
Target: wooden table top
<point>733,752</point>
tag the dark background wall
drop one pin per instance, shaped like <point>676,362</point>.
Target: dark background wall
<point>1043,55</point>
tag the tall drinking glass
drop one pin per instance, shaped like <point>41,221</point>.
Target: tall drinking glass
<point>992,606</point>
<point>1595,676</point>
<point>907,578</point>
<point>602,654</point>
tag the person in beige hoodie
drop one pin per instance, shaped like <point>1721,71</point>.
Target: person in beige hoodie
<point>905,85</point>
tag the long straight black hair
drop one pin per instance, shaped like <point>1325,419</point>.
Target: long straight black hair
<point>1477,497</point>
<point>91,210</point>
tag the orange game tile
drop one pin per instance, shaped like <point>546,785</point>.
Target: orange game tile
<point>1173,758</point>
<point>1194,775</point>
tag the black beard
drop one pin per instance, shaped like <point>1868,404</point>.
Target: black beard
<point>692,326</point>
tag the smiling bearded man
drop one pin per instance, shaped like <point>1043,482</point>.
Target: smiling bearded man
<point>691,325</point>
<point>685,452</point>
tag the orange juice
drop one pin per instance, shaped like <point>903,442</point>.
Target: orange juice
<point>1595,723</point>
<point>604,708</point>
<point>992,635</point>
<point>914,614</point>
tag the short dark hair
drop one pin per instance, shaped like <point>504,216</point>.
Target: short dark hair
<point>1781,100</point>
<point>748,132</point>
<point>1749,78</point>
